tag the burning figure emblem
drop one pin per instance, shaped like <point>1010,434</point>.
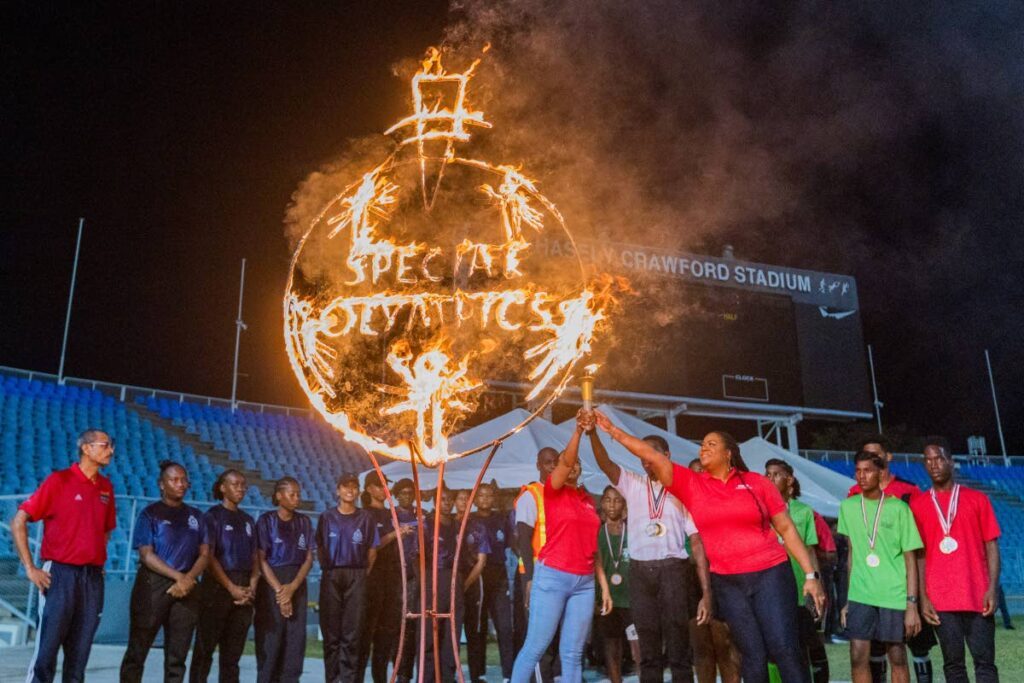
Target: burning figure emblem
<point>416,282</point>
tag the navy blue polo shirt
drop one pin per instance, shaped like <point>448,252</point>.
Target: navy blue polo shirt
<point>284,543</point>
<point>232,537</point>
<point>499,536</point>
<point>475,542</point>
<point>387,558</point>
<point>345,540</point>
<point>446,537</point>
<point>174,533</point>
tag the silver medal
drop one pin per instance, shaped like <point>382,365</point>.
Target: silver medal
<point>948,545</point>
<point>616,579</point>
<point>873,560</point>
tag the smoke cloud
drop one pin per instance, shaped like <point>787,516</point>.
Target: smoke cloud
<point>883,140</point>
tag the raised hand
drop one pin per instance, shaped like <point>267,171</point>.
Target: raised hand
<point>584,420</point>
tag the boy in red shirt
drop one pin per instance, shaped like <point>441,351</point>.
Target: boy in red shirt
<point>77,509</point>
<point>960,568</point>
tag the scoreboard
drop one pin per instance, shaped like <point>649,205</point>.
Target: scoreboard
<point>730,330</point>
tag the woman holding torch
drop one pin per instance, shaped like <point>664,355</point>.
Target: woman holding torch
<point>563,582</point>
<point>739,514</point>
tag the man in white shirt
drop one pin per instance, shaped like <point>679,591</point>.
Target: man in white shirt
<point>660,575</point>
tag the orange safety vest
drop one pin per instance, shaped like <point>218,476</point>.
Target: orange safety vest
<point>540,531</point>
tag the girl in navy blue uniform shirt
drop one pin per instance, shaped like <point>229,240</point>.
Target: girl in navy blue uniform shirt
<point>172,545</point>
<point>229,586</point>
<point>472,555</point>
<point>448,532</point>
<point>492,600</point>
<point>346,542</point>
<point>284,539</point>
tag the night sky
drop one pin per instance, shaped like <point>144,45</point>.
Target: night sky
<point>888,146</point>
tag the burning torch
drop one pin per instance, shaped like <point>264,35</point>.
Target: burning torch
<point>587,387</point>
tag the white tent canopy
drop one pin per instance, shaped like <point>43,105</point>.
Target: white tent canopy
<point>682,450</point>
<point>514,465</point>
<point>821,488</point>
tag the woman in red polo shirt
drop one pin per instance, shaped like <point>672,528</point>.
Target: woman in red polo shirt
<point>563,578</point>
<point>738,514</point>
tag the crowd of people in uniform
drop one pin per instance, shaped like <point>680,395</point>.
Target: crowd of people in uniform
<point>706,570</point>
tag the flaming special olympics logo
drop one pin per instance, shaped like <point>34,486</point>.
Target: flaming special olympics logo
<point>416,282</point>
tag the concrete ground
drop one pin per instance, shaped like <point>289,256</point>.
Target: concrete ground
<point>105,662</point>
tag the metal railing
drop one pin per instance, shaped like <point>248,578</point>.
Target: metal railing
<point>13,592</point>
<point>819,455</point>
<point>128,392</point>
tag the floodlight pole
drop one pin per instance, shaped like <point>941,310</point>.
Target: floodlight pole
<point>995,404</point>
<point>71,297</point>
<point>239,326</point>
<point>874,389</point>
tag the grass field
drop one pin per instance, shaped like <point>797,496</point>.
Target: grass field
<point>1009,656</point>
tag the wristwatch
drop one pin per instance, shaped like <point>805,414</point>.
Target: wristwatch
<point>912,599</point>
<point>812,575</point>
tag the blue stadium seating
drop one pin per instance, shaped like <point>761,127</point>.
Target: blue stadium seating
<point>273,444</point>
<point>39,422</point>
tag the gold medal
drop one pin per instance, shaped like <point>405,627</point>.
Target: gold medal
<point>655,529</point>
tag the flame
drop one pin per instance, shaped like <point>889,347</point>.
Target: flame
<point>429,113</point>
<point>417,297</point>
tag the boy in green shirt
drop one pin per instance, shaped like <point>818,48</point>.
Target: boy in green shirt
<point>613,548</point>
<point>882,598</point>
<point>780,473</point>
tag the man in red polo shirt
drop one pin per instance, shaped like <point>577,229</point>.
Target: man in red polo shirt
<point>77,509</point>
<point>960,576</point>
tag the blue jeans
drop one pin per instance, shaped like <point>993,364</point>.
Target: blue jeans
<point>557,597</point>
<point>762,613</point>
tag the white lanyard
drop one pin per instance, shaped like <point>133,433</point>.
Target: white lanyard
<point>873,536</point>
<point>946,521</point>
<point>616,557</point>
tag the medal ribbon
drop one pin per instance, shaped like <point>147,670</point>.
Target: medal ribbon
<point>616,557</point>
<point>946,521</point>
<point>655,503</point>
<point>878,517</point>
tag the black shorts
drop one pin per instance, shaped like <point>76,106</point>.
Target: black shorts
<point>867,622</point>
<point>614,624</point>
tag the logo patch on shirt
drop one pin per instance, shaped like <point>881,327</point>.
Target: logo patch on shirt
<point>357,536</point>
<point>278,540</point>
<point>193,523</point>
<point>742,486</point>
<point>78,496</point>
<point>228,527</point>
<point>165,521</point>
<point>332,535</point>
<point>248,529</point>
<point>104,498</point>
<point>500,536</point>
<point>302,541</point>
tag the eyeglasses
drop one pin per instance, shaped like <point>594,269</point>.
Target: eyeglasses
<point>103,444</point>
